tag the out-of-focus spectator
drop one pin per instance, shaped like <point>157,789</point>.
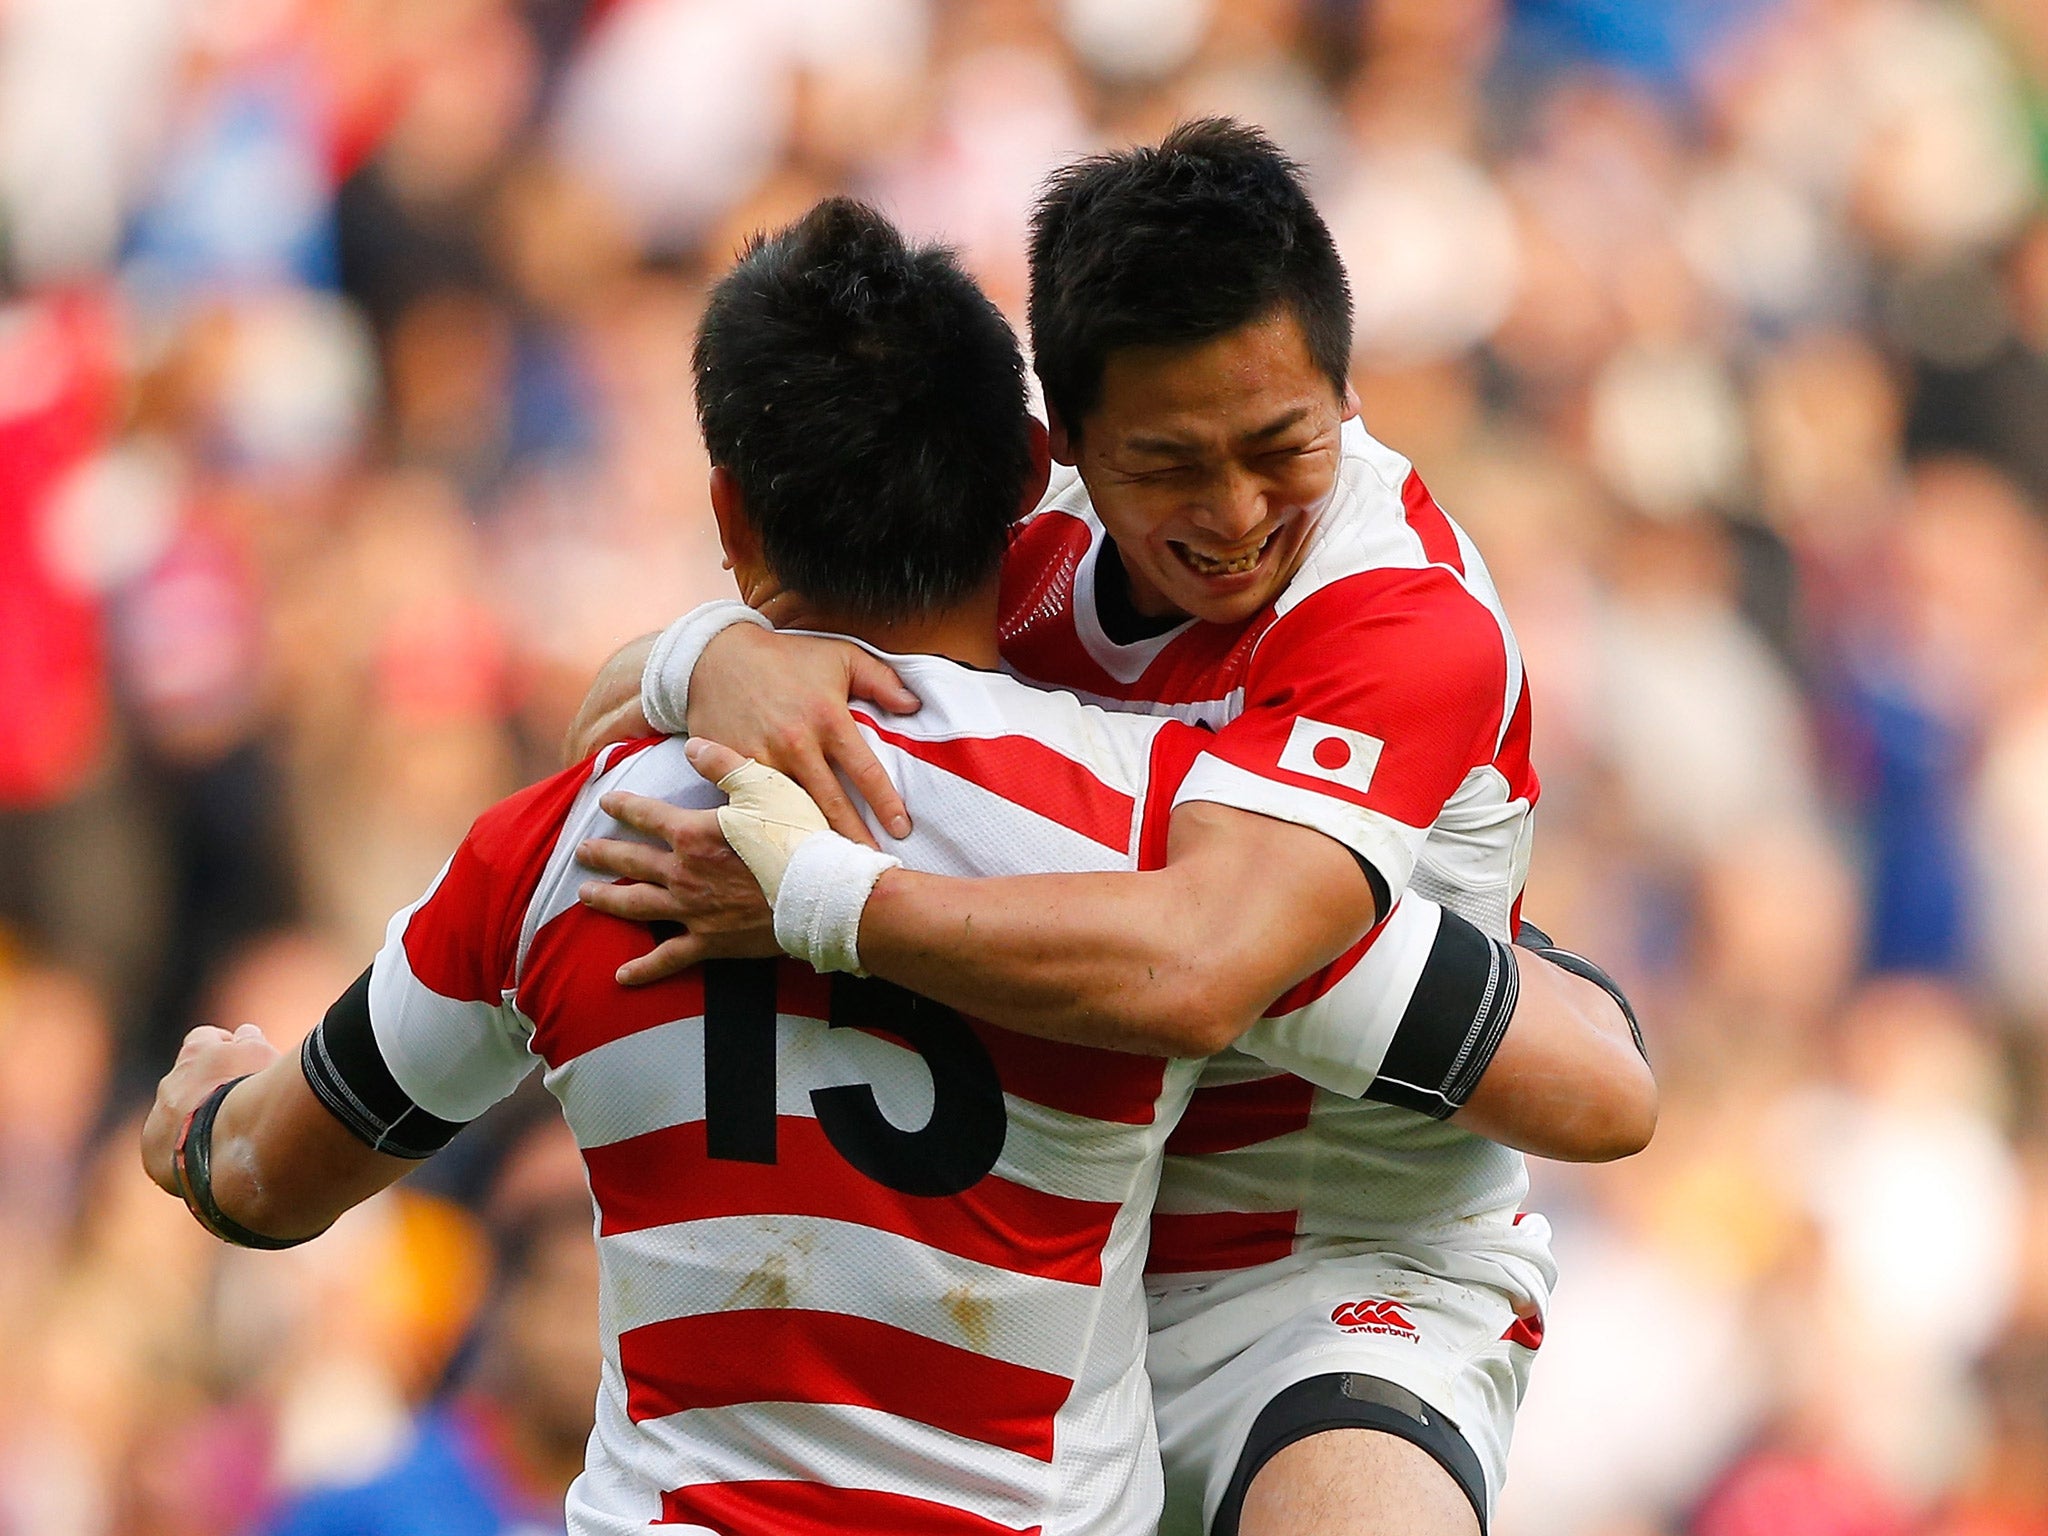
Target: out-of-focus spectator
<point>496,1455</point>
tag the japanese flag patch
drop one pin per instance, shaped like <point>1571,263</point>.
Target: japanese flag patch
<point>1331,752</point>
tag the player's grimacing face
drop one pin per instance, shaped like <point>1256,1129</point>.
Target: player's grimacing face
<point>1209,463</point>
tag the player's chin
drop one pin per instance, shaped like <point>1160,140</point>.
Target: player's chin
<point>1217,602</point>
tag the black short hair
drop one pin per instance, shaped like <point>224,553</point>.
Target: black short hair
<point>869,400</point>
<point>1175,245</point>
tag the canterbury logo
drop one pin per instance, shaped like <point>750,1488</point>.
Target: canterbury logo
<point>1332,752</point>
<point>1373,1314</point>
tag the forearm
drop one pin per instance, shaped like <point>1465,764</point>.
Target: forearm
<point>611,710</point>
<point>1143,962</point>
<point>1569,1081</point>
<point>282,1165</point>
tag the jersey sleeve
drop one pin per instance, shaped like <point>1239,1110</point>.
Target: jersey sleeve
<point>1411,1016</point>
<point>428,1038</point>
<point>1335,1028</point>
<point>1366,705</point>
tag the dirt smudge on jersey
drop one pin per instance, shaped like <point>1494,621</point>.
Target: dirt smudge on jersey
<point>765,1285</point>
<point>972,1314</point>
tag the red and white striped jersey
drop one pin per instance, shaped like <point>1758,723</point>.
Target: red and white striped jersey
<point>1381,700</point>
<point>867,1266</point>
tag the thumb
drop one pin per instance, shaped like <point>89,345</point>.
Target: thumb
<point>876,681</point>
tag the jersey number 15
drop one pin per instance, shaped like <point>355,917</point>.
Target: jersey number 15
<point>948,1154</point>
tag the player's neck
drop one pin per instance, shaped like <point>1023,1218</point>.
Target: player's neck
<point>964,633</point>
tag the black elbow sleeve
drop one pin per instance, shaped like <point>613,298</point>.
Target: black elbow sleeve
<point>1453,1024</point>
<point>346,1070</point>
<point>1537,942</point>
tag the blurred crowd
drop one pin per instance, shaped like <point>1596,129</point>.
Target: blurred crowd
<point>345,427</point>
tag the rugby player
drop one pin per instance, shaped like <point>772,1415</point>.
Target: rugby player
<point>1346,1293</point>
<point>865,1265</point>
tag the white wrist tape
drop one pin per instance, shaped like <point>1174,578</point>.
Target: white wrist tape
<point>825,886</point>
<point>665,681</point>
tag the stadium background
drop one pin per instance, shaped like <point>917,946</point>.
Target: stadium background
<point>345,426</point>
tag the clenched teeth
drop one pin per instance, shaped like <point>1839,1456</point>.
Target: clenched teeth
<point>1211,565</point>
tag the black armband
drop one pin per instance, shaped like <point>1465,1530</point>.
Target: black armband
<point>1453,1024</point>
<point>1537,942</point>
<point>345,1067</point>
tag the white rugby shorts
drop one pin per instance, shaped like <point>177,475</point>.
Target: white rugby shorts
<point>1458,1326</point>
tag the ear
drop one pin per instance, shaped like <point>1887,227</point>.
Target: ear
<point>1041,470</point>
<point>1059,441</point>
<point>735,533</point>
<point>1352,406</point>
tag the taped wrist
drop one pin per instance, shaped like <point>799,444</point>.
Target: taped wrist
<point>824,888</point>
<point>1537,942</point>
<point>1454,1022</point>
<point>665,680</point>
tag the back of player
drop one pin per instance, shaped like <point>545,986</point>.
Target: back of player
<point>867,1266</point>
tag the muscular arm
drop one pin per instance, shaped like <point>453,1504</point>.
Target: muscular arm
<point>1568,1081</point>
<point>1179,961</point>
<point>1186,961</point>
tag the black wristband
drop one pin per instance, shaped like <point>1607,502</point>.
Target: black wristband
<point>1537,942</point>
<point>192,1162</point>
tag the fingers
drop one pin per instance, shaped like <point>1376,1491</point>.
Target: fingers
<point>714,760</point>
<point>669,958</point>
<point>643,813</point>
<point>636,903</point>
<point>691,834</point>
<point>816,778</point>
<point>869,677</point>
<point>626,861</point>
<point>851,755</point>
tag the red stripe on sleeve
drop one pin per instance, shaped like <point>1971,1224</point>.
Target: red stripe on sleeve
<point>814,1509</point>
<point>796,1355</point>
<point>1307,990</point>
<point>1029,774</point>
<point>667,1176</point>
<point>1439,539</point>
<point>1189,1242</point>
<point>1526,1331</point>
<point>463,940</point>
<point>1076,1079</point>
<point>1234,1115</point>
<point>1513,758</point>
<point>1174,751</point>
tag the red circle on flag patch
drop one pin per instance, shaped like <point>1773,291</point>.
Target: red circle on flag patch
<point>1332,752</point>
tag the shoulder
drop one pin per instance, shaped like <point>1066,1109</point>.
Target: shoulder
<point>1389,567</point>
<point>1041,566</point>
<point>1419,620</point>
<point>962,703</point>
<point>462,940</point>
